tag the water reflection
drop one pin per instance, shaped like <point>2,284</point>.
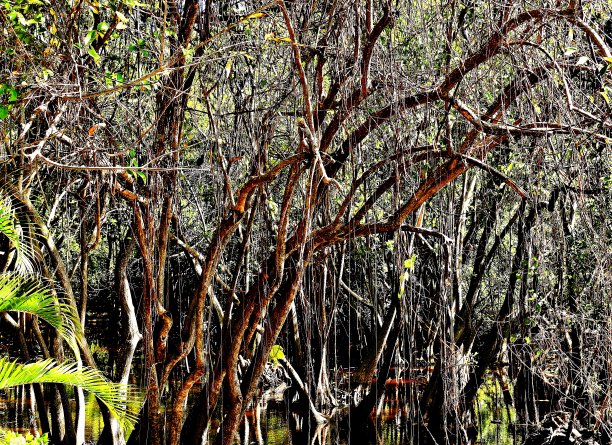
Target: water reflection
<point>18,409</point>
<point>270,422</point>
<point>19,413</point>
<point>275,425</point>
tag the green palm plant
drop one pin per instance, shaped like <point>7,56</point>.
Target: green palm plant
<point>48,371</point>
<point>28,295</point>
<point>24,250</point>
<point>23,293</point>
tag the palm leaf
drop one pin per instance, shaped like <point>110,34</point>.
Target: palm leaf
<point>21,294</point>
<point>10,227</point>
<point>121,401</point>
<point>7,224</point>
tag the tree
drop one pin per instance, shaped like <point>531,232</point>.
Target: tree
<point>290,167</point>
<point>24,294</point>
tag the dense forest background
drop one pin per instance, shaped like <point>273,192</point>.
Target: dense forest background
<point>228,196</point>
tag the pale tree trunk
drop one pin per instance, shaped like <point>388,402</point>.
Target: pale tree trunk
<point>61,425</point>
<point>303,391</point>
<point>64,280</point>
<point>130,333</point>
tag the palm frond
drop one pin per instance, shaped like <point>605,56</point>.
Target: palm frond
<point>22,294</point>
<point>7,224</point>
<point>22,243</point>
<point>120,399</point>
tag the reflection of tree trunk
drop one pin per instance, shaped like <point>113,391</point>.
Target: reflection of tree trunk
<point>130,334</point>
<point>62,428</point>
<point>57,351</point>
<point>361,413</point>
<point>491,341</point>
<point>363,375</point>
<point>25,353</point>
<point>301,434</point>
<point>303,391</point>
<point>255,421</point>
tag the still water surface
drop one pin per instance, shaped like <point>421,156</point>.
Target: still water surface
<point>274,424</point>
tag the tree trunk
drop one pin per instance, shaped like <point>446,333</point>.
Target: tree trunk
<point>131,336</point>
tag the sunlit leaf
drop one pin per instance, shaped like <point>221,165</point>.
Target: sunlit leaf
<point>256,15</point>
<point>118,398</point>
<point>90,37</point>
<point>93,53</point>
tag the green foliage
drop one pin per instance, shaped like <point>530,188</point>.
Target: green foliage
<point>409,263</point>
<point>276,354</point>
<point>26,17</point>
<point>133,162</point>
<point>26,294</point>
<point>48,371</point>
<point>12,438</point>
<point>494,417</point>
<point>7,225</point>
<point>20,294</point>
<point>8,96</point>
<point>10,228</point>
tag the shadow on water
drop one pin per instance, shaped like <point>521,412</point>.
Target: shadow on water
<point>272,423</point>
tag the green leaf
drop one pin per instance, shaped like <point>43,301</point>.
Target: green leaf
<point>409,263</point>
<point>121,17</point>
<point>276,354</point>
<point>28,295</point>
<point>90,37</point>
<point>142,176</point>
<point>118,398</point>
<point>3,112</point>
<point>92,52</point>
<point>13,94</point>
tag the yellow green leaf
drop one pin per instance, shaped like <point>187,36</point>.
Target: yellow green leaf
<point>256,15</point>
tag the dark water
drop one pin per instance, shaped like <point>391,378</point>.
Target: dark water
<point>18,412</point>
<point>273,424</point>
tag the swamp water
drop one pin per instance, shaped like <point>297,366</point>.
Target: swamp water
<point>274,424</point>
